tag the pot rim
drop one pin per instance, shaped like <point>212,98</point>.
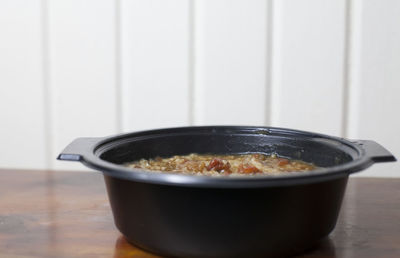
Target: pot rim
<point>88,151</point>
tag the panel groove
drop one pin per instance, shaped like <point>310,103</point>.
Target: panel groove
<point>191,62</point>
<point>354,57</point>
<point>268,72</point>
<point>118,70</point>
<point>274,69</point>
<point>346,68</point>
<point>46,85</point>
<point>198,94</point>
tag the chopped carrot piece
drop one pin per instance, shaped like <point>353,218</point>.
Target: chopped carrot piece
<point>247,169</point>
<point>283,162</point>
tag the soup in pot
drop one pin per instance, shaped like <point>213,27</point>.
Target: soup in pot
<point>217,165</point>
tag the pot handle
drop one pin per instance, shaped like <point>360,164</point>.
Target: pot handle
<point>375,151</point>
<point>78,148</point>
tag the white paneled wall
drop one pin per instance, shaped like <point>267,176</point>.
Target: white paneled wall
<point>98,67</point>
<point>308,57</point>
<point>155,69</point>
<point>230,61</point>
<point>375,77</point>
<point>23,135</point>
<point>81,71</point>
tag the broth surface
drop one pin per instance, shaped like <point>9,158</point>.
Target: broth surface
<point>218,165</point>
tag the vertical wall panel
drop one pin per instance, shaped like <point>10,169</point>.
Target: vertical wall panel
<point>155,53</point>
<point>230,54</point>
<point>308,64</point>
<point>82,71</point>
<point>22,119</point>
<point>375,78</point>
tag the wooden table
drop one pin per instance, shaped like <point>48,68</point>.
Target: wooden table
<point>67,214</point>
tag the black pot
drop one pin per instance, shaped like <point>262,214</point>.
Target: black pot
<point>201,216</point>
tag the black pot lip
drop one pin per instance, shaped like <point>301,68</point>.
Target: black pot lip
<point>92,160</point>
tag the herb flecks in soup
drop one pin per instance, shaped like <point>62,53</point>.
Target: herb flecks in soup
<point>216,165</point>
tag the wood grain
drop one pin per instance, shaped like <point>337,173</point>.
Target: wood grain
<point>64,214</point>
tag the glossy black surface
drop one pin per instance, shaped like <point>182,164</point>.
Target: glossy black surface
<point>199,222</point>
